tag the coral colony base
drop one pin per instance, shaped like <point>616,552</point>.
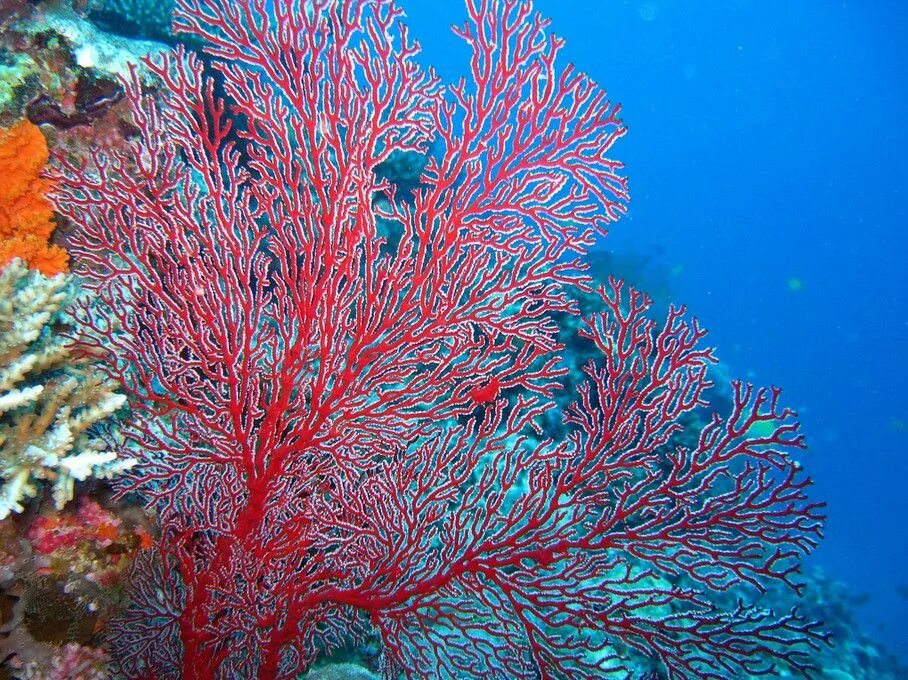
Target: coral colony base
<point>338,389</point>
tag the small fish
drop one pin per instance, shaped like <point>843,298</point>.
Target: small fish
<point>795,285</point>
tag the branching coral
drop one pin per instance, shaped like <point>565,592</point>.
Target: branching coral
<point>25,214</point>
<point>339,432</point>
<point>48,400</point>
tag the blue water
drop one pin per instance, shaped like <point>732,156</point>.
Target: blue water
<point>768,155</point>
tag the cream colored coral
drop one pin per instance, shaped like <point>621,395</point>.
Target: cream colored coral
<point>48,401</point>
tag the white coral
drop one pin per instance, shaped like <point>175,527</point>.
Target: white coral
<point>48,401</point>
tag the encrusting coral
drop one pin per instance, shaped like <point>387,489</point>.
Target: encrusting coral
<point>26,216</point>
<point>49,401</point>
<point>61,574</point>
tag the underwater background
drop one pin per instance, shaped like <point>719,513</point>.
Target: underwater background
<point>768,157</point>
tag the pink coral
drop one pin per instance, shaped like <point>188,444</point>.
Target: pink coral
<point>92,523</point>
<point>71,662</point>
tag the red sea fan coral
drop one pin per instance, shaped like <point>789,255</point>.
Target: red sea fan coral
<point>337,388</point>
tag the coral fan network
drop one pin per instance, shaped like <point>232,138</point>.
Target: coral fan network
<point>340,389</point>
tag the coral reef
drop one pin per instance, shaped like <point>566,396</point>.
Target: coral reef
<point>26,216</point>
<point>340,433</point>
<point>91,46</point>
<point>15,71</point>
<point>853,656</point>
<point>36,661</point>
<point>49,401</point>
<point>60,71</point>
<point>60,582</point>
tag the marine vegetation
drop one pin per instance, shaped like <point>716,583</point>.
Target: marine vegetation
<point>50,402</point>
<point>339,432</point>
<point>26,215</point>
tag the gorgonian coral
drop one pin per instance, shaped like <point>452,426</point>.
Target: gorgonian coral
<point>339,431</point>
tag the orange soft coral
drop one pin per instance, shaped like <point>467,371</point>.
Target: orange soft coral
<point>26,216</point>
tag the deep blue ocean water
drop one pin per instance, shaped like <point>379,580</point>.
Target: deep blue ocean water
<point>768,157</point>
